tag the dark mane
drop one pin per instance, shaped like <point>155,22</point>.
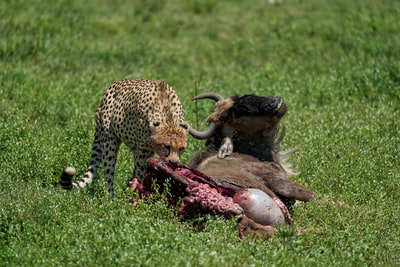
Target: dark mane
<point>248,105</point>
<point>263,152</point>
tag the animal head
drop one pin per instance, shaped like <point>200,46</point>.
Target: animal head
<point>169,141</point>
<point>250,118</point>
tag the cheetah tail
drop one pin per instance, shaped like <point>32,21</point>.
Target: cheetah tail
<point>66,178</point>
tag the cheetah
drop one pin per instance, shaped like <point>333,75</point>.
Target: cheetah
<point>147,117</point>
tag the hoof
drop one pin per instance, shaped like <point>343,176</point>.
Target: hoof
<point>248,227</point>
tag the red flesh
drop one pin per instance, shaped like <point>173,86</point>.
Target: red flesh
<point>200,194</point>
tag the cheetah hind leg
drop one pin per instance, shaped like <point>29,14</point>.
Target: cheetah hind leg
<point>110,151</point>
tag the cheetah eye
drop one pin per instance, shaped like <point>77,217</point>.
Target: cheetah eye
<point>181,150</point>
<point>155,124</point>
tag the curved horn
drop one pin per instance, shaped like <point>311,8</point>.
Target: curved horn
<point>203,134</point>
<point>215,96</point>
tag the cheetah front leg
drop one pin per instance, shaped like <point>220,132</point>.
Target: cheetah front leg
<point>110,151</point>
<point>140,157</point>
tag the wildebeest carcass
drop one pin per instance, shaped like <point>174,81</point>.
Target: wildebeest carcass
<point>245,132</point>
<point>240,159</point>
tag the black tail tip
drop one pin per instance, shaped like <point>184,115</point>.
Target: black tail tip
<point>66,178</point>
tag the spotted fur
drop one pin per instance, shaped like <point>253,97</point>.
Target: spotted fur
<point>145,115</point>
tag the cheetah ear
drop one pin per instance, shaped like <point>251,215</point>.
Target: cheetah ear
<point>161,84</point>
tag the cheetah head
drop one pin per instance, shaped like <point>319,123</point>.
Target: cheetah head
<point>169,141</point>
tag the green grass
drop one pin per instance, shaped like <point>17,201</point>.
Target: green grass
<point>336,63</point>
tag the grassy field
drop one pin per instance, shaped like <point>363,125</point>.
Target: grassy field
<point>336,63</point>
